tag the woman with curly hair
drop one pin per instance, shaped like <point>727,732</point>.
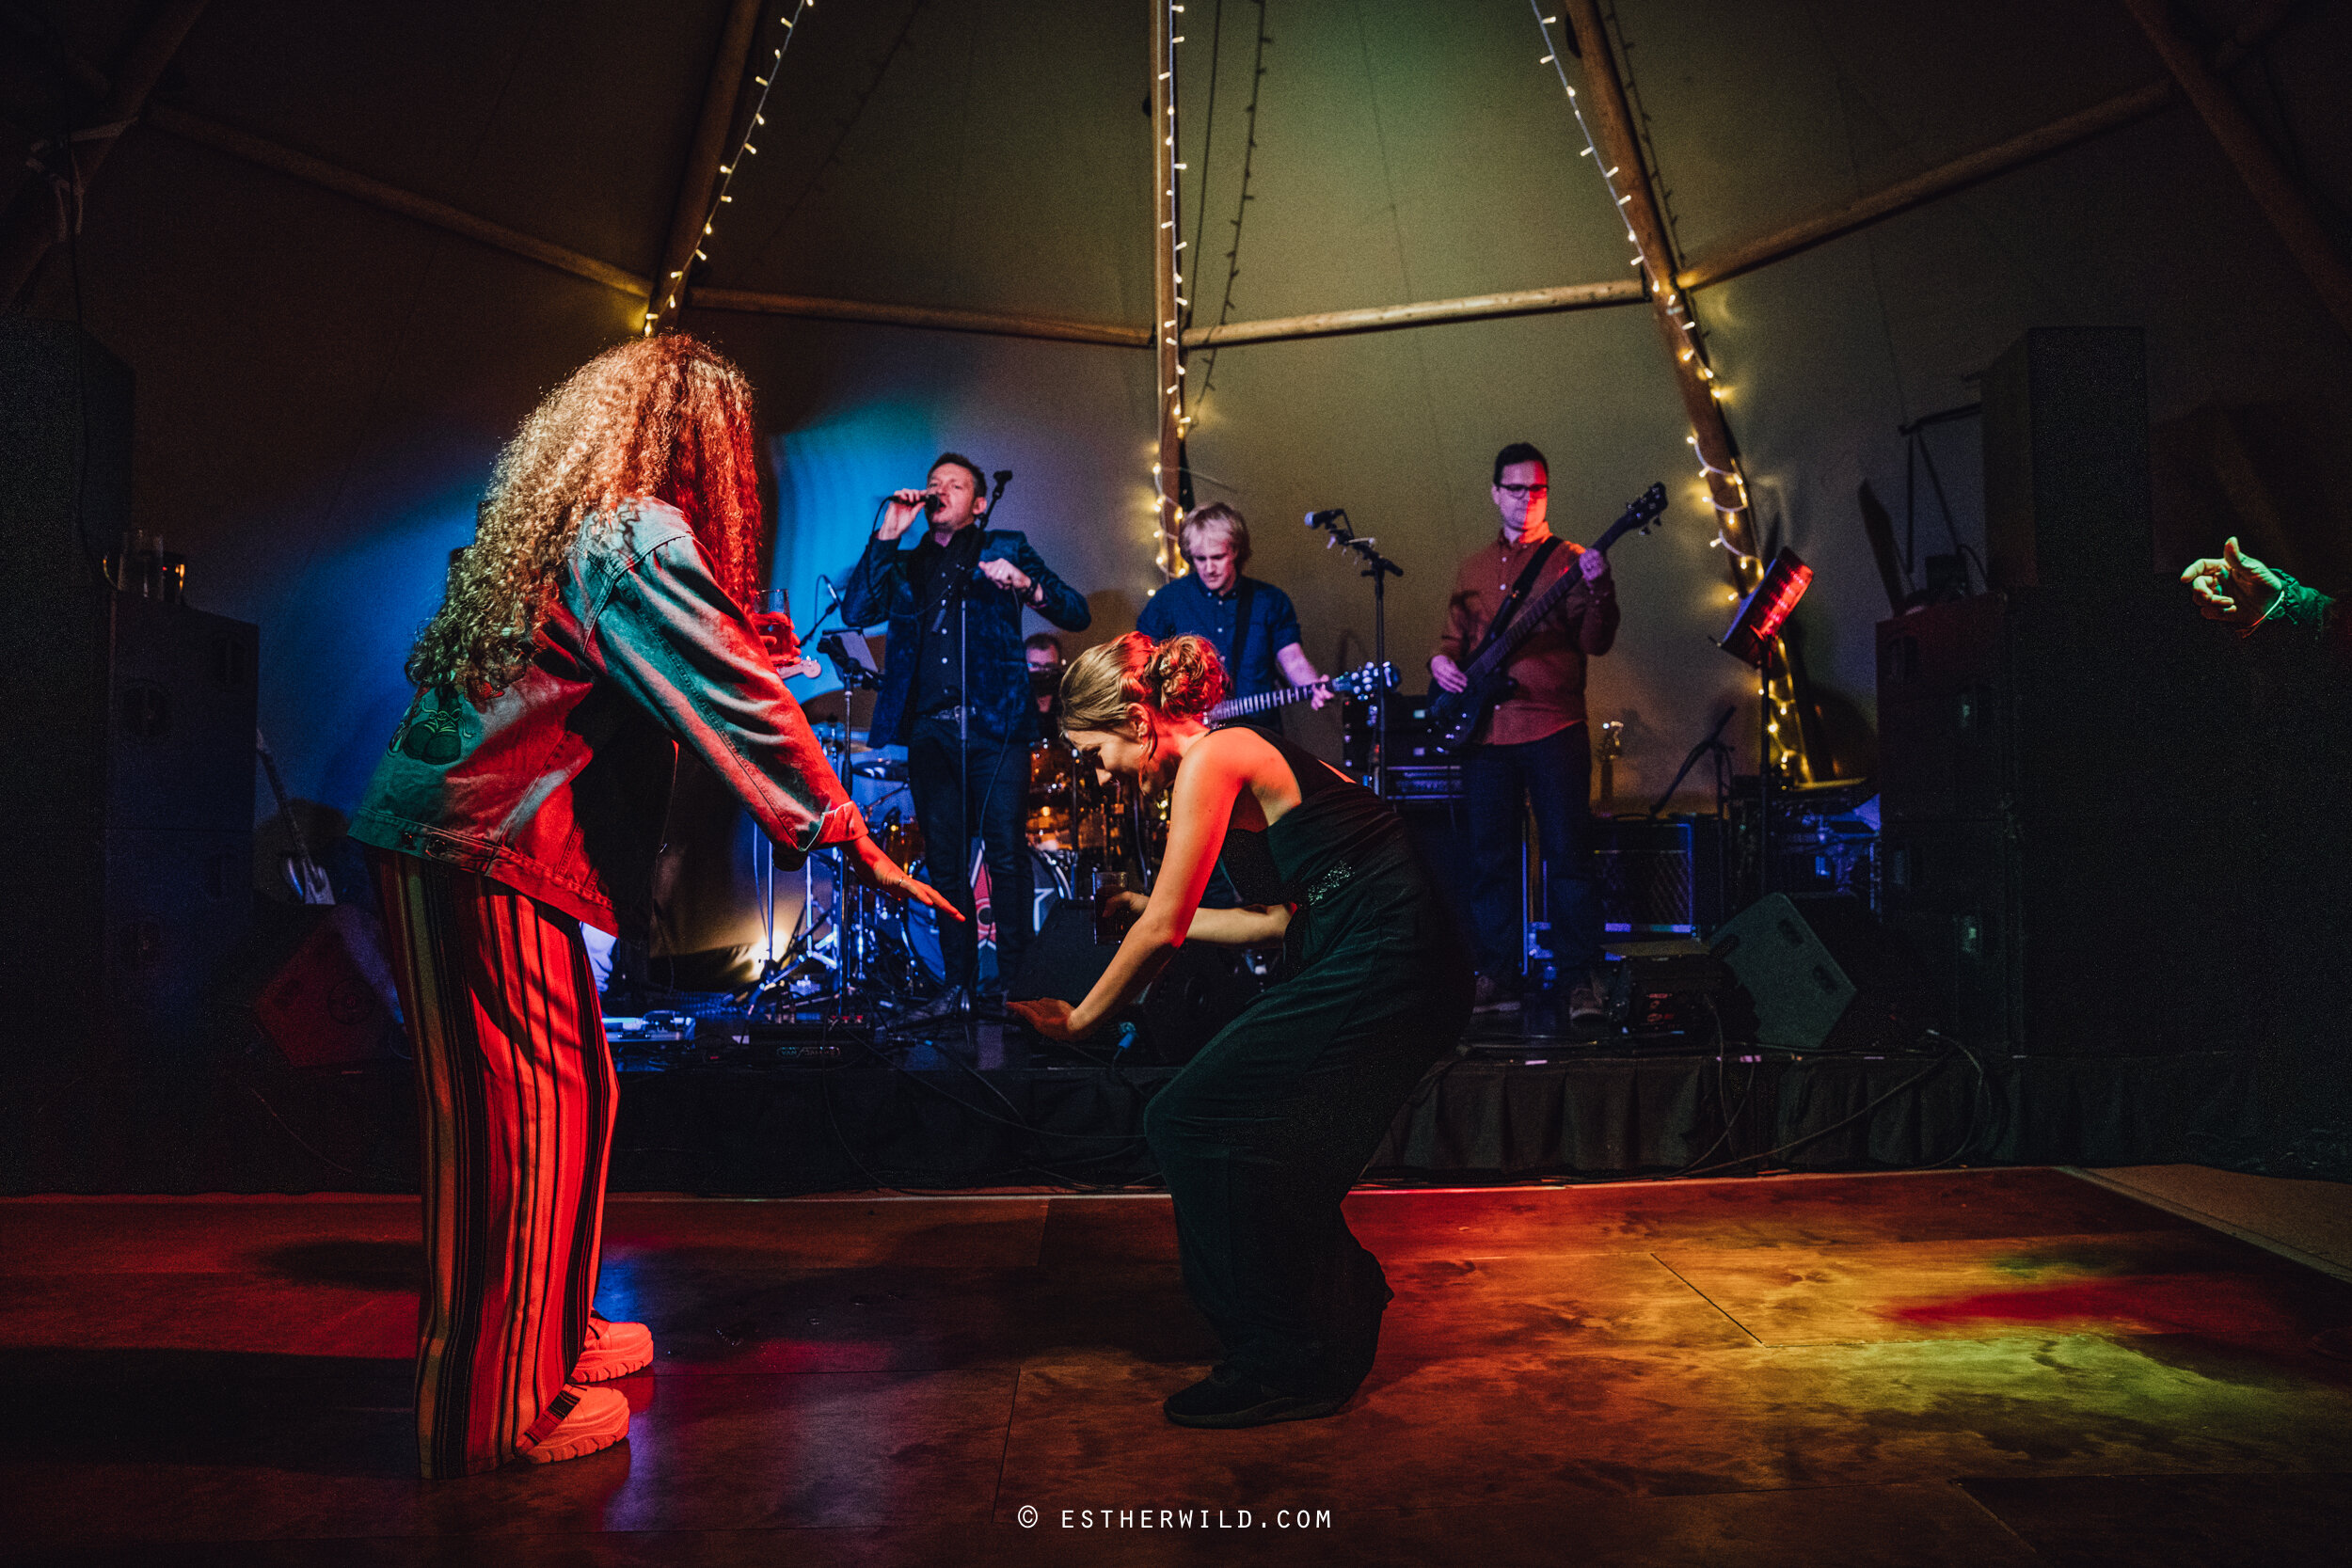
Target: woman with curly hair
<point>594,626</point>
<point>1263,1133</point>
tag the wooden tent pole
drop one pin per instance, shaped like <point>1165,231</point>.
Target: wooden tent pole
<point>1167,353</point>
<point>1613,125</point>
<point>1381,318</point>
<point>999,323</point>
<point>2243,144</point>
<point>1902,197</point>
<point>693,210</point>
<point>31,226</point>
<point>1612,122</point>
<point>391,199</point>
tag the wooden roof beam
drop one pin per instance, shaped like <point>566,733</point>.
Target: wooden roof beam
<point>391,199</point>
<point>2273,190</point>
<point>1385,318</point>
<point>1000,323</point>
<point>1973,169</point>
<point>31,223</point>
<point>692,211</point>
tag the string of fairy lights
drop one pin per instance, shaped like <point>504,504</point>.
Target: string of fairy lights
<point>1747,569</point>
<point>1660,271</point>
<point>673,289</point>
<point>1168,166</point>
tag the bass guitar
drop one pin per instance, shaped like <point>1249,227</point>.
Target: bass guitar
<point>1359,684</point>
<point>1455,717</point>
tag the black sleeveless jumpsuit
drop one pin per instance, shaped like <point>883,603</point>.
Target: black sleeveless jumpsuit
<point>1262,1134</point>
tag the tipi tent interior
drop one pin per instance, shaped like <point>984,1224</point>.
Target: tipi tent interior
<point>283,279</point>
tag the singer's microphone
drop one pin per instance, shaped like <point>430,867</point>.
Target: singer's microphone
<point>1003,477</point>
<point>1324,519</point>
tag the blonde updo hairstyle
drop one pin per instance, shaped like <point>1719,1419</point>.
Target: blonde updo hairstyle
<point>1180,678</point>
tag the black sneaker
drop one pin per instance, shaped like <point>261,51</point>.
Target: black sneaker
<point>1588,1000</point>
<point>1226,1399</point>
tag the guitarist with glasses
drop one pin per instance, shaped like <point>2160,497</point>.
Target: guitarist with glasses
<point>1534,748</point>
<point>1250,624</point>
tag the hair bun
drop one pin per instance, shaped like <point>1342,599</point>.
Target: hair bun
<point>1184,679</point>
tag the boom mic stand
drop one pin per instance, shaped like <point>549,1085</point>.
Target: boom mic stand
<point>1379,568</point>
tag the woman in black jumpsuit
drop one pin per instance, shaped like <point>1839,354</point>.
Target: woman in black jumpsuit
<point>1261,1136</point>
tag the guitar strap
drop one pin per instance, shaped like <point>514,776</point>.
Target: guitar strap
<point>1512,601</point>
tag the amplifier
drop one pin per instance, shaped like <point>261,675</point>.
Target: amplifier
<point>1426,784</point>
<point>1661,876</point>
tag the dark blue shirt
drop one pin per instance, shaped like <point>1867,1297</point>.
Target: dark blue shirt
<point>1184,607</point>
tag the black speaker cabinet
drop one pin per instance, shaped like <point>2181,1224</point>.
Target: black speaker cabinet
<point>1823,975</point>
<point>2066,472</point>
<point>126,804</point>
<point>1660,877</point>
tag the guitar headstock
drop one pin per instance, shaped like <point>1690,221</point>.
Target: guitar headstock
<point>1639,514</point>
<point>1362,683</point>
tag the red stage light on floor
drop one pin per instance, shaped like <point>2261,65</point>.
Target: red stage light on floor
<point>1761,614</point>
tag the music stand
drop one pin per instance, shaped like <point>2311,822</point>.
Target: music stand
<point>1754,632</point>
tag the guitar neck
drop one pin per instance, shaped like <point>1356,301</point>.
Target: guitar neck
<point>1237,707</point>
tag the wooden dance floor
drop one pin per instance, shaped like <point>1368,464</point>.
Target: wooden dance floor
<point>1981,1367</point>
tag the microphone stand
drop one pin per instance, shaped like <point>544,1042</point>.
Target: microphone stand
<point>1379,568</point>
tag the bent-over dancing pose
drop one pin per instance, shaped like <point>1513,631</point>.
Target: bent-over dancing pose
<point>594,624</point>
<point>1262,1135</point>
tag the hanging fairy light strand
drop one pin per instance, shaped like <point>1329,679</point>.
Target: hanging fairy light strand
<point>672,289</point>
<point>1168,167</point>
<point>1659,271</point>
<point>1783,739</point>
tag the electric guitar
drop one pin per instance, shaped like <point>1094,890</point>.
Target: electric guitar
<point>1356,683</point>
<point>1455,716</point>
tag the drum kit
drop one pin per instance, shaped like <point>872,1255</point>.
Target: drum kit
<point>858,957</point>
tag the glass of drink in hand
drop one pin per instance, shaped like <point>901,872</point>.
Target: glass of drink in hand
<point>772,618</point>
<point>1111,915</point>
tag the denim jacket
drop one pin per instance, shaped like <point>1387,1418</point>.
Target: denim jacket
<point>880,588</point>
<point>557,785</point>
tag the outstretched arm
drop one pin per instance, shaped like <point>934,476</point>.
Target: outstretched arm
<point>1207,785</point>
<point>2239,591</point>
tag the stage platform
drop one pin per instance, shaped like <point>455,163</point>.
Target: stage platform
<point>1989,1369</point>
<point>980,1107</point>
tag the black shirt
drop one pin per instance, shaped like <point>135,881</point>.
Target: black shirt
<point>942,575</point>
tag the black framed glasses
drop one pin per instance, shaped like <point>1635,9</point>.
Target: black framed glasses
<point>1524,489</point>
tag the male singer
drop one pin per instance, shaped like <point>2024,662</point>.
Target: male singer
<point>955,691</point>
<point>1534,748</point>
<point>1250,624</point>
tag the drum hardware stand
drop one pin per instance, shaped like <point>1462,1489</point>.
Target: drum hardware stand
<point>1379,568</point>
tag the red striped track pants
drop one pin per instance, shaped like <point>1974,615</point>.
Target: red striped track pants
<point>516,1095</point>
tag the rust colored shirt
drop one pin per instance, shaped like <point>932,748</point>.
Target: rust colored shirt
<point>1550,665</point>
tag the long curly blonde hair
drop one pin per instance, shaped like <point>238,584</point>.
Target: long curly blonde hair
<point>665,418</point>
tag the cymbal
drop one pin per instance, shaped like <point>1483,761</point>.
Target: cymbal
<point>831,731</point>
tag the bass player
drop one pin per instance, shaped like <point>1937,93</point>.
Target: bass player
<point>1535,749</point>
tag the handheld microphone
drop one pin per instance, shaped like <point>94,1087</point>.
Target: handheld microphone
<point>1324,519</point>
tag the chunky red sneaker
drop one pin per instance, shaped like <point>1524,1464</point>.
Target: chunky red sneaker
<point>598,1418</point>
<point>614,1350</point>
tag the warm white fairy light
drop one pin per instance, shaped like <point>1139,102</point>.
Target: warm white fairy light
<point>1173,229</point>
<point>1746,568</point>
<point>672,289</point>
<point>1660,271</point>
